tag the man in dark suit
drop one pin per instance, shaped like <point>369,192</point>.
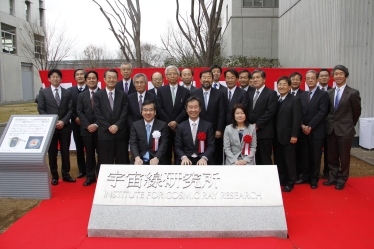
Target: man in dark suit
<point>244,80</point>
<point>233,94</point>
<point>149,137</point>
<point>345,109</point>
<point>314,103</point>
<point>187,78</point>
<point>111,110</point>
<point>217,72</point>
<point>171,101</point>
<point>136,99</point>
<point>194,140</point>
<point>287,126</point>
<point>126,84</point>
<point>262,105</point>
<point>157,82</point>
<point>212,110</point>
<point>57,100</point>
<point>296,79</point>
<point>85,111</point>
<point>75,122</point>
<point>323,80</point>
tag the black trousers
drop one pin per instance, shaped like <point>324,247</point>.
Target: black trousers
<point>311,153</point>
<point>339,157</point>
<point>79,145</point>
<point>91,144</point>
<point>62,136</point>
<point>264,151</point>
<point>285,159</point>
<point>169,152</point>
<point>325,158</point>
<point>113,151</point>
<point>218,152</point>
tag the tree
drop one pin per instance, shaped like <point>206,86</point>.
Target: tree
<point>127,35</point>
<point>45,47</point>
<point>94,57</point>
<point>202,30</point>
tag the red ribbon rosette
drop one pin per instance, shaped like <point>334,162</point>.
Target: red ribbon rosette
<point>201,136</point>
<point>246,148</point>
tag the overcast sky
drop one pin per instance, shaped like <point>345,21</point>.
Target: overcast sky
<point>84,21</point>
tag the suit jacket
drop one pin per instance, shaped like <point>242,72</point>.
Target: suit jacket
<point>288,119</point>
<point>263,113</point>
<point>74,96</point>
<point>239,96</point>
<point>132,89</point>
<point>152,91</point>
<point>184,145</point>
<point>343,120</point>
<point>315,112</point>
<point>134,112</point>
<point>192,88</point>
<point>299,92</point>
<point>139,144</point>
<point>215,114</point>
<point>165,109</point>
<point>47,105</point>
<point>249,89</point>
<point>85,112</point>
<point>105,116</point>
<point>233,146</point>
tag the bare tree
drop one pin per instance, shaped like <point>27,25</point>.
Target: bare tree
<point>94,56</point>
<point>125,34</point>
<point>153,56</point>
<point>45,47</point>
<point>201,28</point>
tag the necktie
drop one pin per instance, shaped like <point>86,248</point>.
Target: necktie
<point>92,99</point>
<point>280,99</point>
<point>293,93</point>
<point>323,89</point>
<point>111,100</point>
<point>57,97</point>
<point>80,89</point>
<point>146,155</point>
<point>229,95</point>
<point>126,87</point>
<point>140,103</point>
<point>173,94</point>
<point>194,130</point>
<point>215,85</point>
<point>255,99</point>
<point>206,100</point>
<point>309,97</point>
<point>337,99</point>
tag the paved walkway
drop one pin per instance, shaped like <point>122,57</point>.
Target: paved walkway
<point>363,154</point>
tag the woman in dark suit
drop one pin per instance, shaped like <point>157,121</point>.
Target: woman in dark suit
<point>239,139</point>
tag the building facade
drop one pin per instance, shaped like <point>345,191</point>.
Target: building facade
<point>19,78</point>
<point>250,28</point>
<point>320,33</point>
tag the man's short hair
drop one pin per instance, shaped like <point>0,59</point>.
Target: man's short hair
<point>92,71</point>
<point>188,69</point>
<point>284,78</point>
<point>138,75</point>
<point>112,71</point>
<point>148,102</point>
<point>216,66</point>
<point>162,76</point>
<point>233,71</point>
<point>172,67</point>
<point>296,73</point>
<point>55,70</point>
<point>261,72</point>
<point>343,68</point>
<point>323,70</point>
<point>192,98</point>
<point>79,69</point>
<point>126,63</point>
<point>206,71</point>
<point>245,71</point>
<point>312,71</point>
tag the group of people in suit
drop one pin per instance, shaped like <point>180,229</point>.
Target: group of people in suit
<point>236,124</point>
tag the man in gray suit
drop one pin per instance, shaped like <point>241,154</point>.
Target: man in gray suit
<point>345,109</point>
<point>187,78</point>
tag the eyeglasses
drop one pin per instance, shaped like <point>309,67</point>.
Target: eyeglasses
<point>148,110</point>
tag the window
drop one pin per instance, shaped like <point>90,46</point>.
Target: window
<point>8,39</point>
<point>39,46</point>
<point>27,9</point>
<point>261,3</point>
<point>11,7</point>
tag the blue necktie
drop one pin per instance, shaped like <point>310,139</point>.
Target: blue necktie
<point>146,156</point>
<point>337,99</point>
<point>215,85</point>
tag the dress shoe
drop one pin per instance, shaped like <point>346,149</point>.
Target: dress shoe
<point>328,183</point>
<point>88,182</point>
<point>314,185</point>
<point>80,175</point>
<point>339,186</point>
<point>288,188</point>
<point>68,179</point>
<point>300,181</point>
<point>54,181</point>
<point>325,176</point>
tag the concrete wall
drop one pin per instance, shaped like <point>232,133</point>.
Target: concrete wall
<point>322,33</point>
<point>249,31</point>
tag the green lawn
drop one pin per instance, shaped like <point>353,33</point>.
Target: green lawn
<point>8,110</point>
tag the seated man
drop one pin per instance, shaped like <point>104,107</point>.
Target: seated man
<point>194,140</point>
<point>149,137</point>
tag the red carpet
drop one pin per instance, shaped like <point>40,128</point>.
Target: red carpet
<point>321,218</point>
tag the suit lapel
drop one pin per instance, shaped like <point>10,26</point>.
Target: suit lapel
<point>52,96</point>
<point>343,96</point>
<point>106,101</point>
<point>315,96</point>
<point>284,103</point>
<point>117,101</point>
<point>262,95</point>
<point>179,94</point>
